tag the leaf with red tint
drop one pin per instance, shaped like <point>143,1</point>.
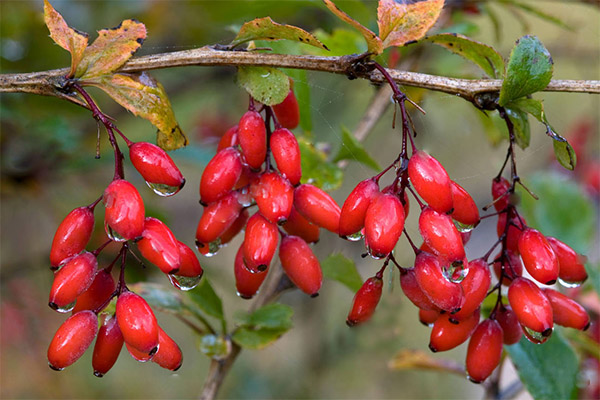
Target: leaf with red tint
<point>267,29</point>
<point>401,23</point>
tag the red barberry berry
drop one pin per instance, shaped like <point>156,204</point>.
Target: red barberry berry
<point>365,301</point>
<point>512,266</point>
<point>412,290</point>
<point>513,233</point>
<point>447,333</point>
<point>72,339</point>
<point>137,323</point>
<point>354,210</point>
<point>260,243</point>
<point>484,351</point>
<point>247,282</point>
<point>220,175</point>
<point>500,193</point>
<point>532,307</point>
<point>465,210</point>
<point>253,138</point>
<point>571,265</point>
<point>229,139</point>
<point>509,322</point>
<point>159,246</point>
<point>300,264</point>
<point>286,152</point>
<point>102,287</point>
<point>274,196</point>
<point>74,278</point>
<point>538,257</point>
<point>169,354</point>
<point>475,286</point>
<point>124,215</point>
<point>72,235</point>
<point>428,317</point>
<point>431,181</point>
<point>440,234</point>
<point>444,294</point>
<point>108,345</point>
<point>567,312</point>
<point>288,112</point>
<point>297,225</point>
<point>217,217</point>
<point>384,222</point>
<point>317,206</point>
<point>190,266</point>
<point>157,168</point>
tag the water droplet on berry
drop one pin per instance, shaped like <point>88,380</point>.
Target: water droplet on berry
<point>112,235</point>
<point>54,368</point>
<point>374,256</point>
<point>535,337</point>
<point>244,197</point>
<point>568,284</point>
<point>213,248</point>
<point>455,272</point>
<point>162,189</point>
<point>355,237</point>
<point>464,228</point>
<point>184,283</point>
<point>65,309</point>
<point>246,297</point>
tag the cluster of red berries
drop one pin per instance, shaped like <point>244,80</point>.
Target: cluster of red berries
<point>240,176</point>
<point>83,289</point>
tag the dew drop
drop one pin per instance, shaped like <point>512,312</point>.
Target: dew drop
<point>184,283</point>
<point>243,296</point>
<point>535,337</point>
<point>54,368</point>
<point>210,249</point>
<point>568,284</point>
<point>355,237</point>
<point>112,235</point>
<point>463,228</point>
<point>162,189</point>
<point>244,198</point>
<point>63,309</point>
<point>455,272</point>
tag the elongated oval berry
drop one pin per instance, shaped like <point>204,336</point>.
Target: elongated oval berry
<point>532,307</point>
<point>431,181</point>
<point>475,286</point>
<point>567,312</point>
<point>354,210</point>
<point>571,265</point>
<point>515,227</point>
<point>74,278</point>
<point>428,317</point>
<point>384,222</point>
<point>300,264</point>
<point>235,228</point>
<point>440,234</point>
<point>125,213</point>
<point>509,322</point>
<point>72,235</point>
<point>252,135</point>
<point>447,334</point>
<point>169,354</point>
<point>260,242</point>
<point>72,339</point>
<point>108,345</point>
<point>229,139</point>
<point>247,283</point>
<point>190,266</point>
<point>286,152</point>
<point>137,323</point>
<point>538,257</point>
<point>274,196</point>
<point>465,210</point>
<point>317,206</point>
<point>159,246</point>
<point>484,351</point>
<point>444,294</point>
<point>138,355</point>
<point>98,293</point>
<point>156,167</point>
<point>297,225</point>
<point>220,175</point>
<point>365,301</point>
<point>500,193</point>
<point>412,290</point>
<point>512,266</point>
<point>217,217</point>
<point>288,112</point>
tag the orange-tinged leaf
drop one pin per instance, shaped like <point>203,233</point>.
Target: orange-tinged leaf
<point>63,35</point>
<point>374,44</point>
<point>267,29</point>
<point>417,359</point>
<point>402,23</point>
<point>144,96</point>
<point>111,49</point>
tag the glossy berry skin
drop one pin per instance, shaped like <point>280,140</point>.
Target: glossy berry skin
<point>125,211</point>
<point>190,266</point>
<point>108,346</point>
<point>99,291</point>
<point>286,152</point>
<point>159,246</point>
<point>384,222</point>
<point>431,181</point>
<point>500,190</point>
<point>354,210</point>
<point>72,235</point>
<point>217,217</point>
<point>297,225</point>
<point>465,210</point>
<point>155,165</point>
<point>447,334</point>
<point>220,175</point>
<point>247,283</point>
<point>440,234</point>
<point>138,355</point>
<point>571,264</point>
<point>428,317</point>
<point>412,290</point>
<point>137,323</point>
<point>260,243</point>
<point>444,294</point>
<point>365,301</point>
<point>169,354</point>
<point>509,322</point>
<point>229,139</point>
<point>513,267</point>
<point>274,196</point>
<point>252,135</point>
<point>515,228</point>
<point>300,264</point>
<point>538,257</point>
<point>567,312</point>
<point>475,286</point>
<point>74,278</point>
<point>484,351</point>
<point>288,112</point>
<point>532,307</point>
<point>317,207</point>
<point>72,339</point>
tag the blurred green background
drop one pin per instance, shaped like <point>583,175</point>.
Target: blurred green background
<point>48,168</point>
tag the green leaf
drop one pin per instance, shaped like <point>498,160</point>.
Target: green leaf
<point>144,96</point>
<point>340,268</point>
<point>159,297</point>
<point>565,154</point>
<point>486,57</point>
<point>206,299</point>
<point>215,346</point>
<point>267,29</point>
<point>316,169</point>
<point>352,149</point>
<point>267,85</point>
<point>271,316</point>
<point>341,42</point>
<point>256,339</point>
<point>564,210</point>
<point>529,70</point>
<point>521,127</point>
<point>548,371</point>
